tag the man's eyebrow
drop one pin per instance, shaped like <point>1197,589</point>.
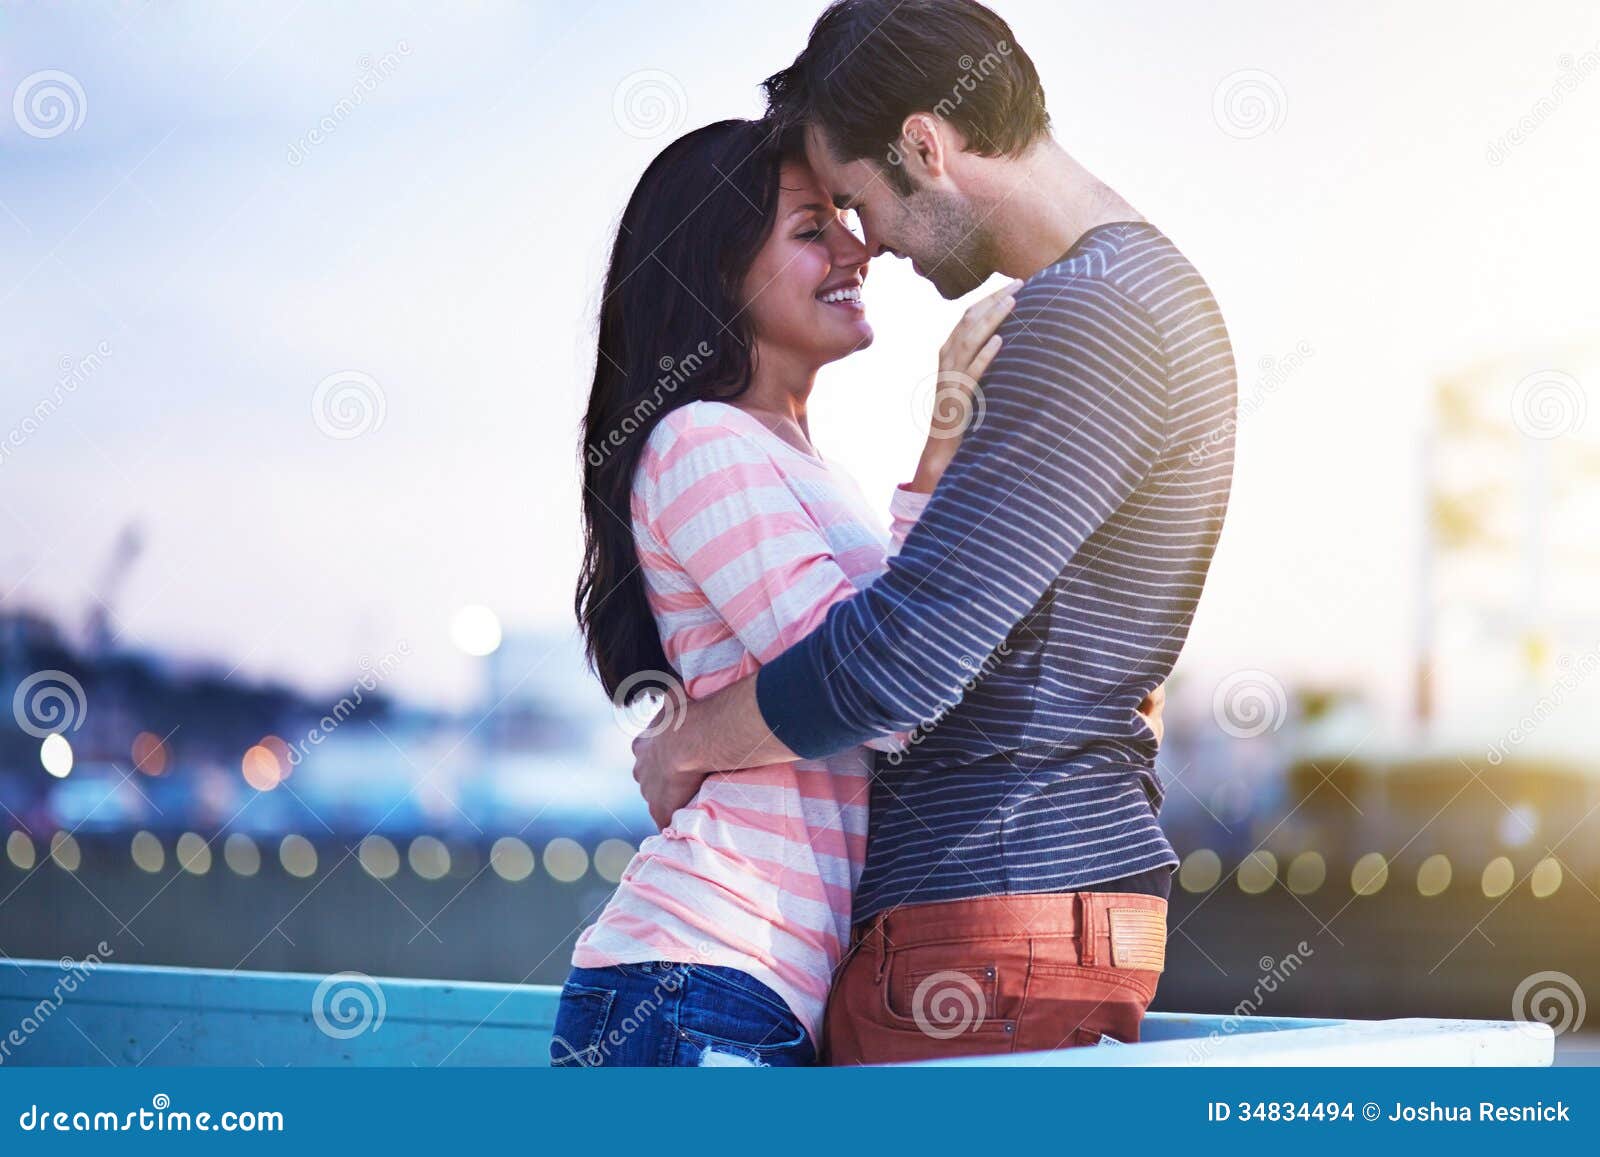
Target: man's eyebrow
<point>843,202</point>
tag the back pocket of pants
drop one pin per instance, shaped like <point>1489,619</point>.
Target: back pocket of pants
<point>578,1039</point>
<point>721,1007</point>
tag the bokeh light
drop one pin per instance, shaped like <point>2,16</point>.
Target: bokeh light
<point>280,752</point>
<point>1433,877</point>
<point>475,630</point>
<point>298,856</point>
<point>1370,874</point>
<point>55,753</point>
<point>511,859</point>
<point>1307,872</point>
<point>1258,872</point>
<point>19,850</point>
<point>1200,871</point>
<point>241,855</point>
<point>1498,877</point>
<point>612,858</point>
<point>429,858</point>
<point>148,854</point>
<point>194,854</point>
<point>1546,877</point>
<point>65,852</point>
<point>379,857</point>
<point>261,770</point>
<point>149,753</point>
<point>565,860</point>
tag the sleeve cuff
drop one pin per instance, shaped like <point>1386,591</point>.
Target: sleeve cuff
<point>796,707</point>
<point>907,504</point>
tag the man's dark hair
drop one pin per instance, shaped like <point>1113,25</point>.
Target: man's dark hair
<point>869,64</point>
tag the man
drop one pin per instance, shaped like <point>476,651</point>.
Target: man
<point>1016,881</point>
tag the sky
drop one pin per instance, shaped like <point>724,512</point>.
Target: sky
<point>409,206</point>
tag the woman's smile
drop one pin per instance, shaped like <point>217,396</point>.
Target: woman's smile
<point>846,295</point>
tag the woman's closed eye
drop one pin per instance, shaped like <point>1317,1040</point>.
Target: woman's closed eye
<point>817,230</point>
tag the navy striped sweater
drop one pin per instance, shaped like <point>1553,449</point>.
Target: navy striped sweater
<point>1047,588</point>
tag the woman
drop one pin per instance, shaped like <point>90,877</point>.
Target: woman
<point>716,536</point>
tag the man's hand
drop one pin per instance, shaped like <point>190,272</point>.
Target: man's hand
<point>722,732</point>
<point>664,785</point>
<point>1152,707</point>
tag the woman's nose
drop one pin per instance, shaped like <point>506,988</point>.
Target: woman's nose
<point>848,249</point>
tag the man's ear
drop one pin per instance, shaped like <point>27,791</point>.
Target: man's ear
<point>925,143</point>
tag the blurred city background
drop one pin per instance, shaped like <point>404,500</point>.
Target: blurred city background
<point>296,311</point>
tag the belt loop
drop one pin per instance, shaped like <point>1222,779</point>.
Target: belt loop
<point>882,946</point>
<point>1086,929</point>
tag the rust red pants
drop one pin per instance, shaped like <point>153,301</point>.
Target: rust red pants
<point>998,974</point>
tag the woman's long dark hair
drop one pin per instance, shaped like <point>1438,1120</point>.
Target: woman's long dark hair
<point>671,331</point>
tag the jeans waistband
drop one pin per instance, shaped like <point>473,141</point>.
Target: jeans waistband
<point>1115,929</point>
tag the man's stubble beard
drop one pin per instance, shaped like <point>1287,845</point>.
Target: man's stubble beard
<point>958,253</point>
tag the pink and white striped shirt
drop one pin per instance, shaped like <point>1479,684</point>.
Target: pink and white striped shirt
<point>745,541</point>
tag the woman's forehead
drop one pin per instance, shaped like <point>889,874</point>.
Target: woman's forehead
<point>799,188</point>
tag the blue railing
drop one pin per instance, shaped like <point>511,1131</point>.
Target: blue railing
<point>66,1013</point>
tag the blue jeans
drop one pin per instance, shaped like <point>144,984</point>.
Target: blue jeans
<point>666,1014</point>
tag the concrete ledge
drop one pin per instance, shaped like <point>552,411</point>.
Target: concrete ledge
<point>59,1013</point>
<point>1410,1043</point>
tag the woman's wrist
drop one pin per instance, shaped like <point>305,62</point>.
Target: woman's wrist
<point>931,466</point>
